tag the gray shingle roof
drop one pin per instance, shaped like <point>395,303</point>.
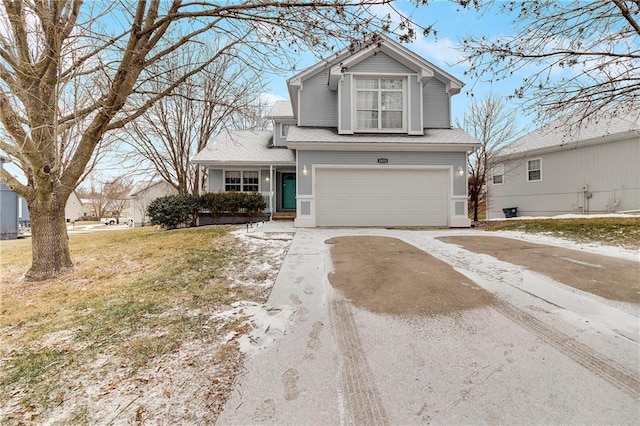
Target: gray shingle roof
<point>244,146</point>
<point>280,109</point>
<point>431,136</point>
<point>557,134</point>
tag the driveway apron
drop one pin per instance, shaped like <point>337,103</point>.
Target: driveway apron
<point>521,359</point>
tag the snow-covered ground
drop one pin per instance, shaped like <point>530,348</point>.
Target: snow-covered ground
<point>595,248</point>
<point>545,353</point>
<point>571,216</point>
<point>291,335</point>
<point>268,324</point>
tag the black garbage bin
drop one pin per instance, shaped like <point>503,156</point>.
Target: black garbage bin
<point>510,212</point>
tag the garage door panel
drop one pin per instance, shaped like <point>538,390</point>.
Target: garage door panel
<point>367,197</point>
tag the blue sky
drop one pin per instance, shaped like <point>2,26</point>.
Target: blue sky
<point>451,23</point>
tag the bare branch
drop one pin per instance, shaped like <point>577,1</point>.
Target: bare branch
<point>13,183</point>
<point>72,72</point>
<point>574,56</point>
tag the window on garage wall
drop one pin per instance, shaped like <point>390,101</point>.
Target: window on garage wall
<point>498,174</point>
<point>534,170</point>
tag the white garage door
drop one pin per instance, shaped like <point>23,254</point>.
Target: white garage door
<point>381,197</point>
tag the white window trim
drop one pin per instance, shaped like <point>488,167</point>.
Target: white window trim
<point>499,166</point>
<point>354,102</point>
<point>528,170</point>
<point>242,172</point>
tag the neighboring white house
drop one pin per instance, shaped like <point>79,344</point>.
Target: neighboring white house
<point>74,208</point>
<point>142,197</point>
<point>551,172</point>
<point>366,140</point>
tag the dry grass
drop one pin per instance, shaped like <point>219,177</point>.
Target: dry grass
<point>134,297</point>
<point>617,231</point>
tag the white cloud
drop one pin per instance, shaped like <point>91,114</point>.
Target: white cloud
<point>441,51</point>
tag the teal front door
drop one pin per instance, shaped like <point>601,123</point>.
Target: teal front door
<point>288,190</point>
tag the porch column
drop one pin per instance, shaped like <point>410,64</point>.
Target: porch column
<point>271,191</point>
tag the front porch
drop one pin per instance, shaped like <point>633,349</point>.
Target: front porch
<point>284,216</point>
<point>278,188</point>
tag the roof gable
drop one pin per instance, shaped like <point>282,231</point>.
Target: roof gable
<point>348,58</point>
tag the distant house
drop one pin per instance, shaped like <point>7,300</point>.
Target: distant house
<point>8,213</point>
<point>552,172</point>
<point>14,211</point>
<point>74,208</point>
<point>365,140</point>
<point>88,208</point>
<point>143,196</point>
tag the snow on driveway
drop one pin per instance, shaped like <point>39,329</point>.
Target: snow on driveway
<point>545,353</point>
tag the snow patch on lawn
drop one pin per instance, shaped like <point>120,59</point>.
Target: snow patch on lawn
<point>268,323</point>
<point>595,248</point>
<point>264,255</point>
<point>566,216</point>
<point>191,384</point>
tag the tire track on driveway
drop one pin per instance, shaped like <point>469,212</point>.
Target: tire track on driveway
<point>618,376</point>
<point>359,392</point>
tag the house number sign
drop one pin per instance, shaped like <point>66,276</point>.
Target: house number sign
<point>383,160</point>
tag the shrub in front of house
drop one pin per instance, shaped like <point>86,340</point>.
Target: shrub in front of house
<point>254,203</point>
<point>215,203</point>
<point>234,201</point>
<point>177,211</point>
<point>174,211</point>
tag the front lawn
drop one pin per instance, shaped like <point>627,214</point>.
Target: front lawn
<point>138,312</point>
<point>615,231</point>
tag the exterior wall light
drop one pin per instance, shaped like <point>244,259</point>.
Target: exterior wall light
<point>267,179</point>
<point>460,171</point>
<point>304,170</point>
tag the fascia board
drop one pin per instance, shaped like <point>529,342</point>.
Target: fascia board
<point>363,146</point>
<point>245,163</point>
<point>570,145</point>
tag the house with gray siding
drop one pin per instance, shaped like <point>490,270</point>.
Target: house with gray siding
<point>364,140</point>
<point>558,170</point>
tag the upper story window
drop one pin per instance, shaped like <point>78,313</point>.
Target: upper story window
<point>380,104</point>
<point>241,181</point>
<point>534,170</point>
<point>284,129</point>
<point>498,174</point>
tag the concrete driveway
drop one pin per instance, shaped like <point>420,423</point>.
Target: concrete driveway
<point>513,346</point>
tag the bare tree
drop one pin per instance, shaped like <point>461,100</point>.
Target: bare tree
<point>489,121</point>
<point>92,195</point>
<point>72,72</point>
<point>174,129</point>
<point>581,60</point>
<point>116,193</point>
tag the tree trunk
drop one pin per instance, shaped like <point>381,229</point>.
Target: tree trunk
<point>50,242</point>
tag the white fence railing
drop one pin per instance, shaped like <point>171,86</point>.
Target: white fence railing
<point>268,198</point>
